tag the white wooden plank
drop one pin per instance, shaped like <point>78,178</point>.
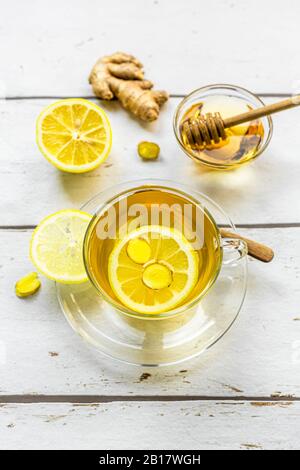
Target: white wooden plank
<point>50,49</point>
<point>184,425</point>
<point>260,356</point>
<point>262,192</point>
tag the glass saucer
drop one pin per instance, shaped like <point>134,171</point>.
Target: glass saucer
<point>158,342</point>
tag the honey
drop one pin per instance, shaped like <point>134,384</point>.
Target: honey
<point>242,142</point>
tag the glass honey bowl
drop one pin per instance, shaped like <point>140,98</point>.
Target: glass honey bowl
<point>244,142</point>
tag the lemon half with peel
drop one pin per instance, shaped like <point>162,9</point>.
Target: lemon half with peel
<point>57,243</point>
<point>74,135</point>
<point>153,269</point>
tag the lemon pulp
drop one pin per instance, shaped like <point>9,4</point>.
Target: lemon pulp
<point>74,135</point>
<point>153,269</point>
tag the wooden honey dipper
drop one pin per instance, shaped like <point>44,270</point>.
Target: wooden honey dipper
<point>211,127</point>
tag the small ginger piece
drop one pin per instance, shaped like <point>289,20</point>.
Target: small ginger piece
<point>27,285</point>
<point>148,150</point>
<point>121,76</point>
<point>138,250</point>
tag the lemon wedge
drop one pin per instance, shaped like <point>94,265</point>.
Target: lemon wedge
<point>57,244</point>
<point>74,135</point>
<point>153,269</point>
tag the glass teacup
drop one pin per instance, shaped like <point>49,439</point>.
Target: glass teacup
<point>166,335</point>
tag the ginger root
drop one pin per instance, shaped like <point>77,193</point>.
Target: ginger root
<point>121,76</point>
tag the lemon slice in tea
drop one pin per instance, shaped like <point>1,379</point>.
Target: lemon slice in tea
<point>74,135</point>
<point>153,269</point>
<point>56,246</point>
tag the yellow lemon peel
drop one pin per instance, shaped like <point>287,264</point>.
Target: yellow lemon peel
<point>74,135</point>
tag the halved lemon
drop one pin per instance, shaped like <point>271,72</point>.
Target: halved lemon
<point>74,135</point>
<point>56,246</point>
<point>153,269</point>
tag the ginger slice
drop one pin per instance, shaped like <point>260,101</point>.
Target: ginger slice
<point>138,250</point>
<point>148,150</point>
<point>27,285</point>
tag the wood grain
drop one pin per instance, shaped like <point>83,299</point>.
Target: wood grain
<point>49,50</point>
<point>185,425</point>
<point>31,188</point>
<point>260,356</point>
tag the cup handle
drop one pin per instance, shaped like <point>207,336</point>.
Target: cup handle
<point>255,249</point>
<point>234,250</point>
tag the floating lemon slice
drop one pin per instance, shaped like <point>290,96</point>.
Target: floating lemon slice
<point>74,135</point>
<point>153,269</point>
<point>56,246</point>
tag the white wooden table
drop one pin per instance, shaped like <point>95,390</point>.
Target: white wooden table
<point>245,392</point>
